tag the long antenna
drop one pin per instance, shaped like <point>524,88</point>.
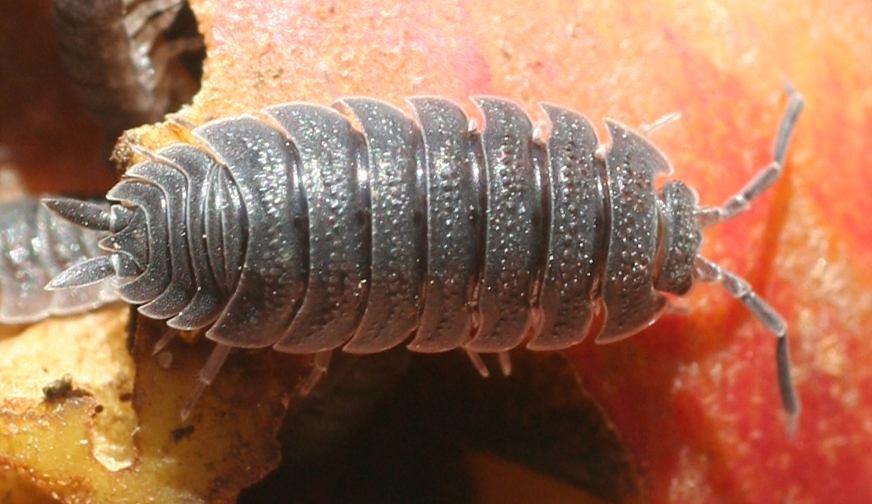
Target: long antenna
<point>766,177</point>
<point>708,271</point>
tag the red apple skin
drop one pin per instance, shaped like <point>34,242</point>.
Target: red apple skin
<point>694,397</point>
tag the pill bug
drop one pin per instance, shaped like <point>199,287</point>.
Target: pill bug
<point>124,57</point>
<point>306,229</point>
<point>36,245</point>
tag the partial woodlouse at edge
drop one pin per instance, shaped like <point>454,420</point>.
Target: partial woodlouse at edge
<point>36,245</point>
<point>307,229</point>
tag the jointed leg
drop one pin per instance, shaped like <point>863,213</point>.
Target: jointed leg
<point>669,118</point>
<point>503,358</point>
<point>708,271</point>
<point>678,306</point>
<point>207,375</point>
<point>478,363</point>
<point>505,363</point>
<point>165,339</point>
<point>764,179</point>
<point>319,369</point>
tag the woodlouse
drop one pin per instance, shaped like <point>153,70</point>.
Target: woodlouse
<point>297,229</point>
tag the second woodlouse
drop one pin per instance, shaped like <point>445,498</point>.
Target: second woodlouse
<point>293,228</point>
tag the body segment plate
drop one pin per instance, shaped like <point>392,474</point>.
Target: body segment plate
<point>453,220</point>
<point>272,281</point>
<point>629,297</point>
<point>391,313</point>
<point>336,290</point>
<point>576,231</point>
<point>513,230</point>
<point>156,277</point>
<point>181,288</point>
<point>208,300</point>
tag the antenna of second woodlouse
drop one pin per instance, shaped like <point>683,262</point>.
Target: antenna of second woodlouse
<point>660,122</point>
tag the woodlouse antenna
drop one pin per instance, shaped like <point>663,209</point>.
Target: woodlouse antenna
<point>765,178</point>
<point>708,271</point>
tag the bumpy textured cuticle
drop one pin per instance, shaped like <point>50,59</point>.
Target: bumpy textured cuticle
<point>309,228</point>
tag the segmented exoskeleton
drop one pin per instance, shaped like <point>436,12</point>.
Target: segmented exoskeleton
<point>36,245</point>
<point>308,230</point>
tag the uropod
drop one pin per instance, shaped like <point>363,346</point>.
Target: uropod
<point>358,227</point>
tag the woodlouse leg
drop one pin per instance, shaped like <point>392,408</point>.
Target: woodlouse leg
<point>478,363</point>
<point>180,122</point>
<point>319,369</point>
<point>678,307</point>
<point>207,375</point>
<point>662,121</point>
<point>505,363</point>
<point>709,271</point>
<point>765,178</point>
<point>164,340</point>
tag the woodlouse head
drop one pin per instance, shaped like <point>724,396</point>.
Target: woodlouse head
<point>680,238</point>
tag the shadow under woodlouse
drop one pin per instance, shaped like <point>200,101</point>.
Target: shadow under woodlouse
<point>411,444</point>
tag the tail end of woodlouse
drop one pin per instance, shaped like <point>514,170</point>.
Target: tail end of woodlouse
<point>88,215</point>
<point>83,274</point>
<point>82,213</point>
